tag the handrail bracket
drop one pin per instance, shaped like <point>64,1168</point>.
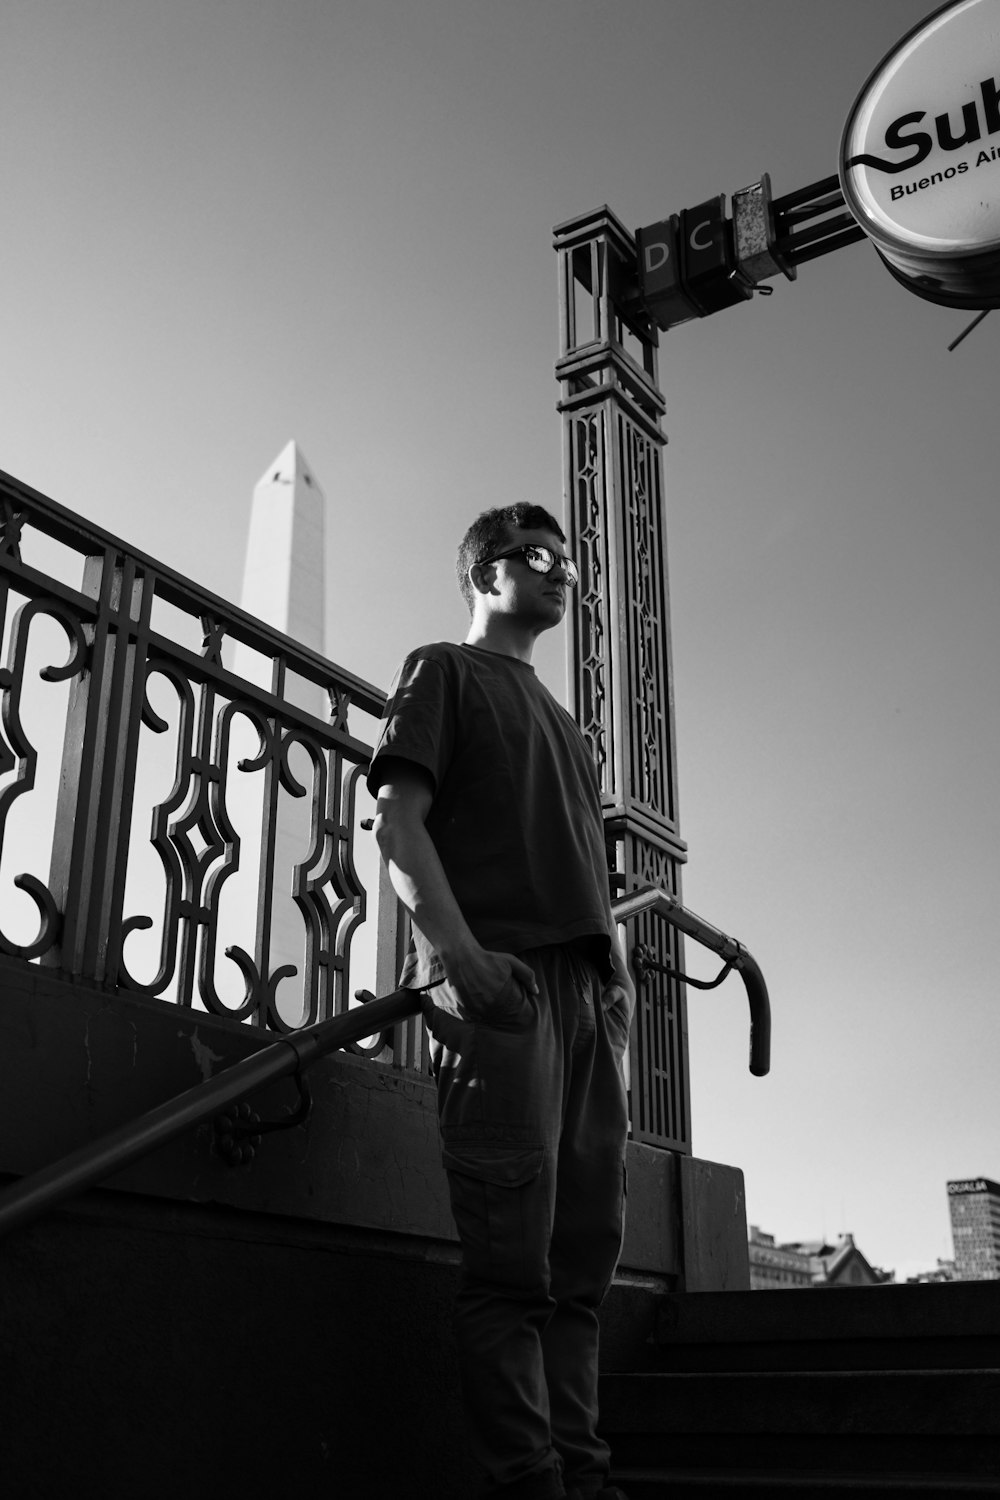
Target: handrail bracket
<point>644,966</point>
<point>650,898</point>
<point>239,1128</point>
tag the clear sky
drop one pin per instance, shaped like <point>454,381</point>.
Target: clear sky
<point>233,222</point>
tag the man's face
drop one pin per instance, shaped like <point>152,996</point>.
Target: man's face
<point>536,599</point>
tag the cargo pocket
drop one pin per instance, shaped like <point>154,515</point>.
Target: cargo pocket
<point>500,1201</point>
<point>503,1166</point>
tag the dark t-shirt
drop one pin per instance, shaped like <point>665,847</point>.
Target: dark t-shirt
<point>516,816</point>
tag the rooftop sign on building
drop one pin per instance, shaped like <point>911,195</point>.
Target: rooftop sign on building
<point>920,156</point>
<point>972,1185</point>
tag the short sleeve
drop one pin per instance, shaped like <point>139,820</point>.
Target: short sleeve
<point>419,721</point>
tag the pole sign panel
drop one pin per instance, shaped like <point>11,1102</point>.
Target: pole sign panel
<point>709,262</point>
<point>687,264</point>
<point>920,156</point>
<point>659,252</point>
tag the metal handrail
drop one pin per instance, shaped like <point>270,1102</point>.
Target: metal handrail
<point>117,1149</point>
<point>653,898</point>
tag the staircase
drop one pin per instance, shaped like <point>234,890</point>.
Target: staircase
<point>879,1391</point>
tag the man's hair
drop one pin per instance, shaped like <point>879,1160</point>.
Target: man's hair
<point>490,531</point>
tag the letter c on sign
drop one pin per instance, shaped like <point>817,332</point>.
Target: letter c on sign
<point>693,239</point>
<point>654,265</point>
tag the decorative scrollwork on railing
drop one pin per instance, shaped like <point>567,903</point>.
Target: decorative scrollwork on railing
<point>213,634</point>
<point>51,920</point>
<point>159,839</point>
<point>11,522</point>
<point>326,889</point>
<point>18,753</point>
<point>200,849</point>
<point>259,990</point>
<point>340,703</point>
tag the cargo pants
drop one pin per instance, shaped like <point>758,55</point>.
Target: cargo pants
<point>533,1116</point>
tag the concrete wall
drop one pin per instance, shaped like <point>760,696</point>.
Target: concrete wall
<point>238,1330</point>
<point>75,1063</point>
<point>159,1350</point>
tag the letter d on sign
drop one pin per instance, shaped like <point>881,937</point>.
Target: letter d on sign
<point>659,261</point>
<point>658,258</point>
<point>656,255</point>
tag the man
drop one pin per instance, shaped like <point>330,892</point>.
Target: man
<point>489,822</point>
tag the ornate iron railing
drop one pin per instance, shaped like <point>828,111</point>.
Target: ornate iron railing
<point>191,778</point>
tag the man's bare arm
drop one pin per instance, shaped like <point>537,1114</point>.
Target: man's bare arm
<point>419,880</point>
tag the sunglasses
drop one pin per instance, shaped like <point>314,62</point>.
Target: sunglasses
<point>540,560</point>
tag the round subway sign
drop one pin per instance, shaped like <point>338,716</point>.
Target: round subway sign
<point>920,157</point>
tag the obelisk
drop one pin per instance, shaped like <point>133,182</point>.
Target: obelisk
<point>284,585</point>
<point>283,582</point>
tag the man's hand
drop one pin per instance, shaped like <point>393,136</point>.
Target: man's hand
<point>618,995</point>
<point>480,977</point>
<point>618,1002</point>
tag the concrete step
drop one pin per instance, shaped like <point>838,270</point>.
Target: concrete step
<point>938,1403</point>
<point>880,1391</point>
<point>746,1456</point>
<point>874,1426</point>
<point>698,1484</point>
<point>948,1326</point>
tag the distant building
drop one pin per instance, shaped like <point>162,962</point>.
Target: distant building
<point>810,1263</point>
<point>774,1265</point>
<point>974,1204</point>
<point>943,1271</point>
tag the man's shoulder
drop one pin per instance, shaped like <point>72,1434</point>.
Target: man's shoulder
<point>444,653</point>
<point>424,664</point>
<point>461,664</point>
